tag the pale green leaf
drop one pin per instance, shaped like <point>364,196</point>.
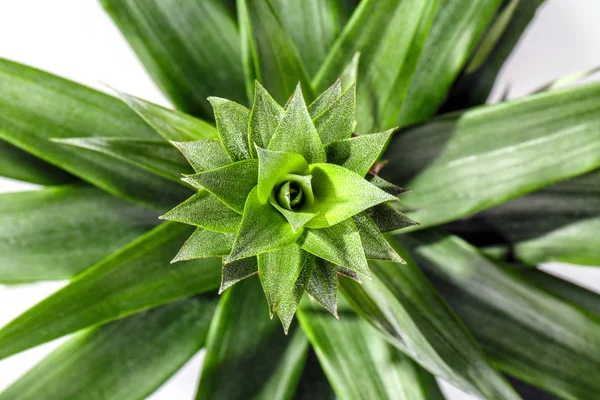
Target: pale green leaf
<point>263,229</point>
<point>206,211</point>
<point>135,278</point>
<point>204,243</point>
<point>125,360</point>
<point>31,99</point>
<point>529,333</point>
<point>172,125</point>
<point>322,285</point>
<point>290,300</point>
<point>339,244</point>
<point>297,219</point>
<point>403,305</point>
<point>337,121</point>
<point>232,122</point>
<point>247,355</point>
<point>276,61</point>
<point>55,233</point>
<point>568,79</point>
<point>340,194</point>
<point>325,99</point>
<point>273,166</point>
<point>464,163</point>
<point>374,244</point>
<point>203,155</point>
<point>231,184</point>
<point>181,44</point>
<point>389,34</point>
<point>278,271</point>
<point>359,363</point>
<point>296,132</point>
<point>357,154</point>
<point>264,119</point>
<point>154,155</point>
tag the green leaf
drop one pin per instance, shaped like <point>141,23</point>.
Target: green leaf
<point>231,184</point>
<point>17,164</point>
<point>245,347</point>
<point>557,223</point>
<point>30,99</point>
<point>528,332</point>
<point>359,363</point>
<point>154,155</point>
<point>203,155</point>
<point>357,154</point>
<point>325,100</point>
<point>170,124</point>
<point>235,271</point>
<point>296,132</point>
<point>388,219</point>
<point>568,79</point>
<point>274,165</point>
<point>474,87</point>
<point>264,119</point>
<point>263,229</point>
<point>181,44</point>
<point>55,233</point>
<point>313,383</point>
<point>126,360</point>
<point>232,122</point>
<point>323,285</point>
<point>340,194</point>
<point>204,243</point>
<point>136,278</point>
<point>275,58</point>
<point>374,244</point>
<point>486,156</point>
<point>290,301</point>
<point>278,271</point>
<point>385,185</point>
<point>313,26</point>
<point>206,211</point>
<point>339,244</point>
<point>402,305</point>
<point>389,34</point>
<point>337,121</point>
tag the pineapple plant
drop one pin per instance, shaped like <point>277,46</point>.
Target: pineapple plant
<point>329,209</point>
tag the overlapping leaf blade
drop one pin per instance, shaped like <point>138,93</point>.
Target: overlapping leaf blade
<point>56,233</point>
<point>359,363</point>
<point>528,332</point>
<point>181,43</point>
<point>137,277</point>
<point>464,163</point>
<point>31,99</point>
<point>245,347</point>
<point>357,154</point>
<point>126,360</point>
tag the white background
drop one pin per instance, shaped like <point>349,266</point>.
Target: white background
<point>75,39</point>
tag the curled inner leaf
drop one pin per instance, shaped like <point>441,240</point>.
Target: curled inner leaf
<point>294,192</point>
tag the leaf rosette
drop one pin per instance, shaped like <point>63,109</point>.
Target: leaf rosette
<point>287,193</point>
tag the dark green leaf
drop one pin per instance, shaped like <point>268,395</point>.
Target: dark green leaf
<point>137,277</point>
<point>486,156</point>
<point>313,382</point>
<point>181,44</point>
<point>339,244</point>
<point>375,245</point>
<point>402,304</point>
<point>125,360</point>
<point>359,363</point>
<point>296,132</point>
<point>322,285</point>
<point>154,155</point>
<point>203,155</point>
<point>18,164</point>
<point>232,122</point>
<point>337,121</point>
<point>475,85</point>
<point>56,233</point>
<point>205,210</point>
<point>31,99</point>
<point>529,333</point>
<point>388,219</point>
<point>325,99</point>
<point>291,300</point>
<point>204,243</point>
<point>313,26</point>
<point>357,154</point>
<point>389,34</point>
<point>231,184</point>
<point>276,61</point>
<point>558,223</point>
<point>248,356</point>
<point>235,271</point>
<point>265,117</point>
